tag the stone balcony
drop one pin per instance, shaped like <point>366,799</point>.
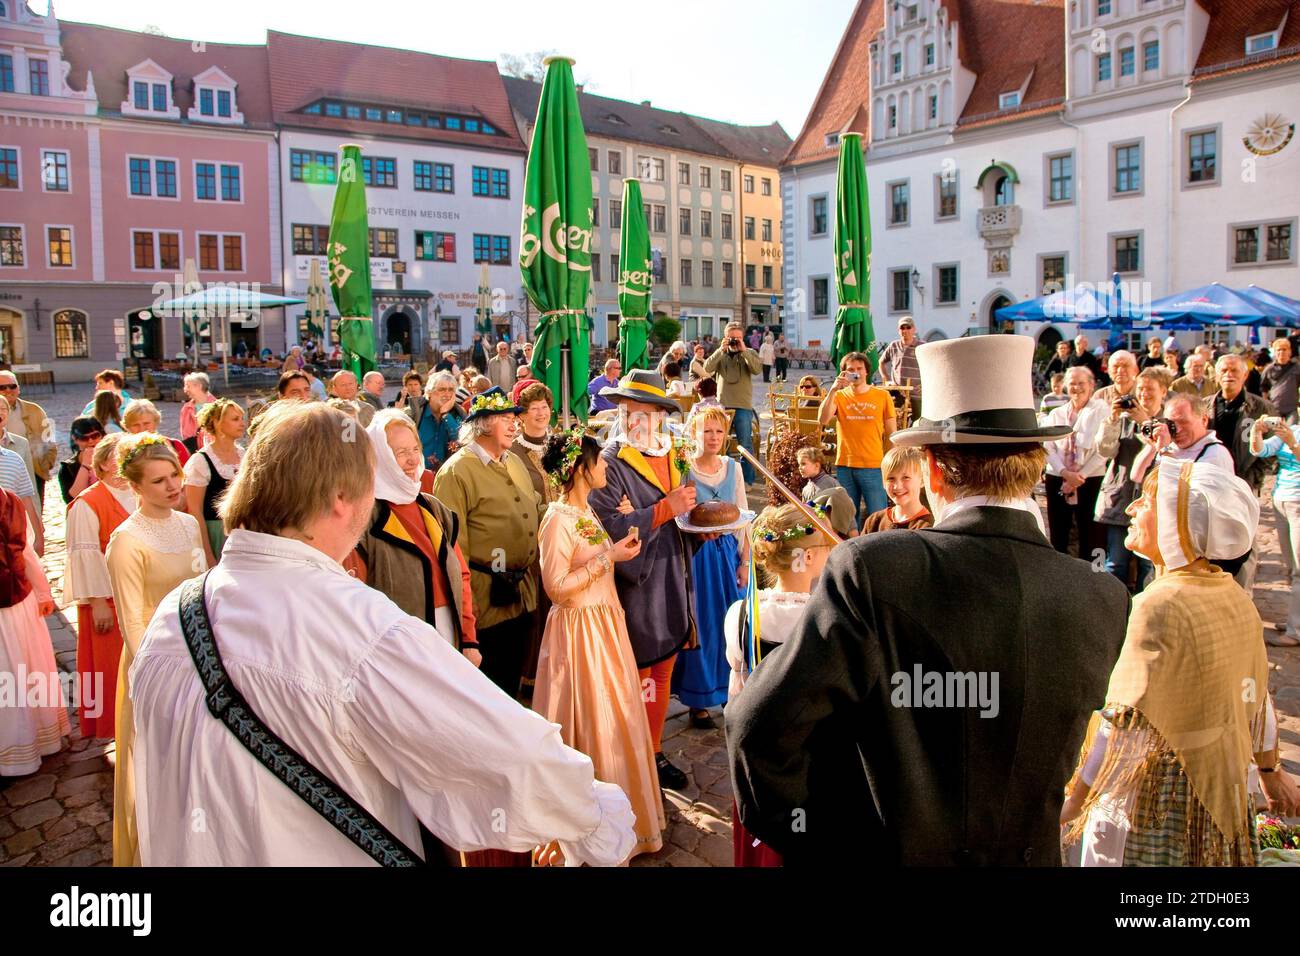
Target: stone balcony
<point>998,225</point>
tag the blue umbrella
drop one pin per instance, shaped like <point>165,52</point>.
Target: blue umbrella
<point>1283,308</point>
<point>1214,303</point>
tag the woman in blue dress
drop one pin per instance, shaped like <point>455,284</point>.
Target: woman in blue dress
<point>720,569</point>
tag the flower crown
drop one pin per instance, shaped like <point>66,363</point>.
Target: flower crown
<point>765,532</point>
<point>569,459</point>
<point>136,449</point>
<point>491,403</point>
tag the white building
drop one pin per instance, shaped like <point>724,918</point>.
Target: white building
<point>1000,166</point>
<point>444,171</point>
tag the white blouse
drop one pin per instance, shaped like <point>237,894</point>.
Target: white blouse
<point>779,613</point>
<point>712,481</point>
<point>199,475</point>
<point>86,575</point>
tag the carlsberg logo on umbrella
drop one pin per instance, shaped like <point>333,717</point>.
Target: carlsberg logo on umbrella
<point>558,239</point>
<point>555,239</point>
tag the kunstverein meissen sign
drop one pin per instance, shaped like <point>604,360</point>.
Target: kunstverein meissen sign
<point>381,270</point>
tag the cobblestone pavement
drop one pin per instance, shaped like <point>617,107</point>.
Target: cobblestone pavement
<point>61,815</point>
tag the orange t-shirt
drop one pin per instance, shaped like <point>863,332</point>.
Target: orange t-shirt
<point>860,427</point>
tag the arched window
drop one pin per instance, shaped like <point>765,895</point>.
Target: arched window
<point>70,339</point>
<point>4,11</point>
<point>1005,192</point>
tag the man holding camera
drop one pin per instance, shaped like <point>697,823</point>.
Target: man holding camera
<point>864,418</point>
<point>733,367</point>
<point>1123,369</point>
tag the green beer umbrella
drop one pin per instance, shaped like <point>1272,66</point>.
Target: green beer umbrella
<point>555,245</point>
<point>853,332</point>
<point>349,265</point>
<point>633,281</point>
<point>316,307</point>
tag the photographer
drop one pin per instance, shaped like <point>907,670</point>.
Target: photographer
<point>1120,441</point>
<point>864,418</point>
<point>1184,434</point>
<point>1282,444</point>
<point>734,366</point>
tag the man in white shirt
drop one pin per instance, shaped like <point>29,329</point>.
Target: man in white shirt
<point>1075,467</point>
<point>1192,439</point>
<point>375,699</point>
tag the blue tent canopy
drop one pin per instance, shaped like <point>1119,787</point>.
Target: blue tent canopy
<point>1213,303</point>
<point>1280,307</point>
<point>218,299</point>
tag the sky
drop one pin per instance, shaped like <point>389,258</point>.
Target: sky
<point>749,63</point>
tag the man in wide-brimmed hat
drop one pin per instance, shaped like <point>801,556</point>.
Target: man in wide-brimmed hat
<point>644,490</point>
<point>930,707</point>
<point>499,512</point>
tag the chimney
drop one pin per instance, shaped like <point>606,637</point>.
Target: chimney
<point>645,102</point>
<point>580,86</point>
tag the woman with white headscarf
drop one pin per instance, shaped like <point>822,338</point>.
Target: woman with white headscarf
<point>1170,764</point>
<point>410,551</point>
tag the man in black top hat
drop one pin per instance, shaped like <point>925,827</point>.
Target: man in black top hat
<point>930,707</point>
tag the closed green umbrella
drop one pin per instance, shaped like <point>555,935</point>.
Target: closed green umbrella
<point>634,281</point>
<point>555,246</point>
<point>316,307</point>
<point>853,331</point>
<point>483,307</point>
<point>349,266</point>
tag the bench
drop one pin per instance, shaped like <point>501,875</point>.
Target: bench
<point>32,382</point>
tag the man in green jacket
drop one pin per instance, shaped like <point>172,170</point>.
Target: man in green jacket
<point>733,366</point>
<point>488,488</point>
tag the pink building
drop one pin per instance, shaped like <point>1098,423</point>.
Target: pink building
<point>122,155</point>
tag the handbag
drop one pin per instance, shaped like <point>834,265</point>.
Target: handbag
<point>318,791</point>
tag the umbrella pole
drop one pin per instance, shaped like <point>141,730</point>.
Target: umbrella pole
<point>565,349</point>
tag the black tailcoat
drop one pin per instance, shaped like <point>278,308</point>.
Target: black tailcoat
<point>827,768</point>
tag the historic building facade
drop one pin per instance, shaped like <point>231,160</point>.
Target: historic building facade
<point>706,231</point>
<point>121,156</point>
<point>1013,147</point>
<point>443,165</point>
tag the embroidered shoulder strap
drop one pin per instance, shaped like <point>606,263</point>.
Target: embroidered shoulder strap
<point>318,791</point>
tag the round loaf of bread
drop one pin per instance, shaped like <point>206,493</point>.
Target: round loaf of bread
<point>714,514</point>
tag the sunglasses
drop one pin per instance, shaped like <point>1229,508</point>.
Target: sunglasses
<point>8,388</point>
<point>809,385</point>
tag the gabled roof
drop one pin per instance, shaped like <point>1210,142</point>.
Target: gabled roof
<point>1232,21</point>
<point>306,69</point>
<point>759,145</point>
<point>845,89</point>
<point>618,119</point>
<point>1004,41</point>
<point>108,53</point>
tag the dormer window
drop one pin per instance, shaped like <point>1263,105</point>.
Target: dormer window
<point>1009,101</point>
<point>214,98</point>
<point>616,119</point>
<point>149,88</point>
<point>1260,43</point>
<point>832,139</point>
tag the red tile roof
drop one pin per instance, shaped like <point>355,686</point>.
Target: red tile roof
<point>108,53</point>
<point>305,69</point>
<point>846,88</point>
<point>1232,21</point>
<point>1003,42</point>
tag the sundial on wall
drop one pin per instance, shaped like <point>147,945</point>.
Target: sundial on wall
<point>1269,134</point>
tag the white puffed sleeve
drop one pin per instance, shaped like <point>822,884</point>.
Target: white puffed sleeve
<point>478,769</point>
<point>86,575</point>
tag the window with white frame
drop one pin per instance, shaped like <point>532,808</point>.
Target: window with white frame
<point>945,185</point>
<point>58,241</point>
<point>900,289</point>
<point>1151,55</point>
<point>155,249</point>
<point>706,224</point>
<point>54,170</point>
<point>12,252</point>
<point>151,176</point>
<point>1009,101</point>
<point>221,252</point>
<point>1260,43</point>
<point>1060,178</point>
<point>1126,176</point>
<point>9,168</point>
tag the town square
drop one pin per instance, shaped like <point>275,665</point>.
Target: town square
<point>839,440</point>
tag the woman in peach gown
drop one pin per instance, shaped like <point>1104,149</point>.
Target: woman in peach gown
<point>587,678</point>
